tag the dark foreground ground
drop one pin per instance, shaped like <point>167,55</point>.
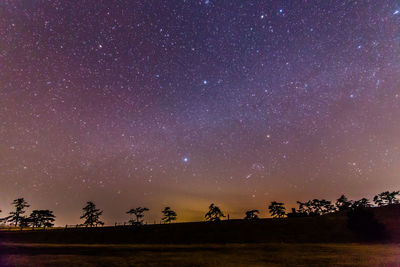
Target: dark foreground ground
<point>201,255</point>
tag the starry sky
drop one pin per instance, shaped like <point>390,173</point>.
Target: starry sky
<point>184,103</point>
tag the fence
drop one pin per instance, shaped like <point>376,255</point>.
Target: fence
<point>116,224</point>
<point>71,226</point>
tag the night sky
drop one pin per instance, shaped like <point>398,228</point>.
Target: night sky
<point>184,103</point>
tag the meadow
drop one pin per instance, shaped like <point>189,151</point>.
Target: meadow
<point>309,241</point>
<point>271,254</point>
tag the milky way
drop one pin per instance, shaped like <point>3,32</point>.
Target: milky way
<point>184,103</point>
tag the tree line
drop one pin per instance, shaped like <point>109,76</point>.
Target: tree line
<point>37,218</point>
<point>92,215</point>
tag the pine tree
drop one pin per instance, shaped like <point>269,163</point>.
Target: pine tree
<point>17,216</point>
<point>91,215</point>
<point>214,213</point>
<point>252,215</point>
<point>138,212</point>
<point>169,215</point>
<point>42,218</point>
<point>277,210</point>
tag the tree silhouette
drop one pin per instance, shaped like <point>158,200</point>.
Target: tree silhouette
<point>295,213</point>
<point>252,215</point>
<point>138,212</point>
<point>91,215</point>
<point>42,218</point>
<point>343,204</point>
<point>24,222</point>
<point>277,209</point>
<point>315,207</point>
<point>35,219</point>
<point>323,206</point>
<point>214,213</point>
<point>305,209</point>
<point>15,216</point>
<point>386,198</point>
<point>362,203</point>
<point>169,215</point>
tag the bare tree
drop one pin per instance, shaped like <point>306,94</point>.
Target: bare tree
<point>138,212</point>
<point>169,215</point>
<point>214,213</point>
<point>91,215</point>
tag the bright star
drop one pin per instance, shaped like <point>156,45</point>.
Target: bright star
<point>205,82</point>
<point>185,159</point>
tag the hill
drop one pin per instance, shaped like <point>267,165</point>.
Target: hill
<point>330,228</point>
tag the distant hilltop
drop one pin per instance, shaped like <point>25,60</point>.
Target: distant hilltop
<point>329,228</point>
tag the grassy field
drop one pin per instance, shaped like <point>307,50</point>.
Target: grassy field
<point>308,241</point>
<point>200,255</point>
<point>323,229</point>
<point>330,228</point>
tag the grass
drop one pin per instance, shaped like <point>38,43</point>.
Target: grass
<point>201,255</point>
<point>309,241</point>
<point>323,229</point>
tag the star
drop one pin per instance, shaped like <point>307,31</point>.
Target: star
<point>200,92</point>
